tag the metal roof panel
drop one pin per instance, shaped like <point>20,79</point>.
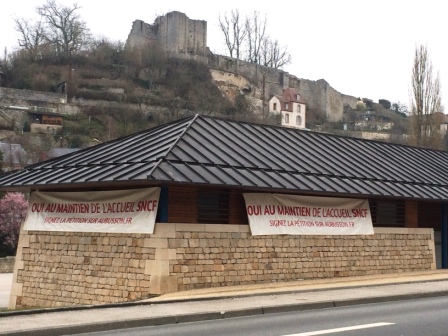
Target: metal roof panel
<point>215,151</point>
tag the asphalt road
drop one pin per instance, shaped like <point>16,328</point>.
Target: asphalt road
<point>405,318</point>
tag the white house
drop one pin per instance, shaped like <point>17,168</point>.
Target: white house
<point>291,108</point>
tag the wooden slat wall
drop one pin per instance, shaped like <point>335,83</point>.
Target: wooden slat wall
<point>237,213</point>
<point>182,206</point>
<point>430,215</point>
<point>411,214</point>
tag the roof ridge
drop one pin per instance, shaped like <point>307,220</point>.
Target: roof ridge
<point>196,116</point>
<point>106,143</point>
<point>344,177</point>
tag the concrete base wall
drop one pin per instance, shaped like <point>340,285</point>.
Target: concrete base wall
<point>66,268</point>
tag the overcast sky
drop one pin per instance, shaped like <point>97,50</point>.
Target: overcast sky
<point>362,48</point>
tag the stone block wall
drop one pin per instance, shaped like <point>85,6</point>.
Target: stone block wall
<point>67,268</point>
<point>45,128</point>
<point>7,264</point>
<point>175,32</point>
<point>179,34</point>
<point>28,95</point>
<point>225,255</point>
<point>318,95</point>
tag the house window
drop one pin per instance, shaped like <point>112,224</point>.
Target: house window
<point>299,120</point>
<point>213,207</point>
<point>298,97</point>
<point>287,118</point>
<point>275,107</point>
<point>298,108</point>
<point>387,213</point>
<point>286,106</point>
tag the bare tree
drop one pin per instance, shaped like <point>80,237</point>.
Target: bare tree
<point>426,105</point>
<point>234,29</point>
<point>280,55</point>
<point>265,52</point>
<point>256,34</point>
<point>273,55</point>
<point>4,64</point>
<point>32,35</point>
<point>65,28</point>
<point>261,49</point>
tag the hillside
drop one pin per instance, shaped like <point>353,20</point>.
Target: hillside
<point>112,92</point>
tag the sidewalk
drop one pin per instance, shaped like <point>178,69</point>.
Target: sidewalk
<point>5,288</point>
<point>226,302</point>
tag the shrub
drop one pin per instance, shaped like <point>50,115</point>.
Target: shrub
<point>385,103</point>
<point>13,209</point>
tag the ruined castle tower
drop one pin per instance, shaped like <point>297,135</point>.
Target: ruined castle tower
<point>175,32</point>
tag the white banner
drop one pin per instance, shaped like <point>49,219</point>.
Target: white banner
<point>124,211</point>
<point>271,214</point>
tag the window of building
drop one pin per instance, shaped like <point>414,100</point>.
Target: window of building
<point>213,207</point>
<point>299,108</point>
<point>299,120</point>
<point>387,213</point>
<point>286,106</point>
<point>298,97</point>
<point>287,118</point>
<point>274,107</point>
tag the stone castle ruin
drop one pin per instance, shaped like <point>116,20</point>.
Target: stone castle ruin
<point>174,32</point>
<point>182,37</point>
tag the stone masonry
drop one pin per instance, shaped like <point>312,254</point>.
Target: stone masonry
<point>35,96</point>
<point>66,268</point>
<point>175,33</point>
<point>63,269</point>
<point>214,257</point>
<point>319,96</point>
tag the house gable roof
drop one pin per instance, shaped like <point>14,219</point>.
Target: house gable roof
<point>290,95</point>
<point>216,152</point>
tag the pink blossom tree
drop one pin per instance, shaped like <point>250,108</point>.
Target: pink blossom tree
<point>13,209</point>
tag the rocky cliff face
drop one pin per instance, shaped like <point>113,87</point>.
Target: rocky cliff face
<point>262,83</point>
<point>182,37</point>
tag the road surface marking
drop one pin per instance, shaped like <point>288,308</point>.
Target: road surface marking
<point>332,331</point>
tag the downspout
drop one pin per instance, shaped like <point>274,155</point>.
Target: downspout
<point>163,205</point>
<point>444,235</point>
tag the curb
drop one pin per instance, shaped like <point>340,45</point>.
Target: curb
<point>197,317</point>
<point>292,291</point>
<point>195,299</point>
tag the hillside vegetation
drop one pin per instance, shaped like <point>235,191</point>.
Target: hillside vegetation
<point>108,73</point>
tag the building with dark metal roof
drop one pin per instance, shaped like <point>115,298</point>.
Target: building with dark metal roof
<point>204,167</point>
<point>215,152</point>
